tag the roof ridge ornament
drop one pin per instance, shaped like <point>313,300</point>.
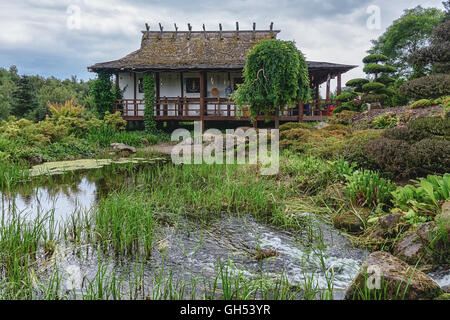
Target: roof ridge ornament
<point>161,28</point>
<point>237,30</point>
<point>190,30</point>
<point>220,31</point>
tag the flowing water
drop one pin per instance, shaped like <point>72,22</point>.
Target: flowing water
<point>190,249</point>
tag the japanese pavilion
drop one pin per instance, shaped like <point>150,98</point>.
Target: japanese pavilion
<point>196,71</point>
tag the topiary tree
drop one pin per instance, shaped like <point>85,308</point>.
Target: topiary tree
<point>102,93</point>
<point>377,91</point>
<point>275,75</point>
<point>149,100</point>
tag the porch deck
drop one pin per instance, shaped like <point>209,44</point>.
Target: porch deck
<point>216,109</point>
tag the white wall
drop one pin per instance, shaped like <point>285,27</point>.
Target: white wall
<point>170,86</point>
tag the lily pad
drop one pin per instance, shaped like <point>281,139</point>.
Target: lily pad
<point>60,167</point>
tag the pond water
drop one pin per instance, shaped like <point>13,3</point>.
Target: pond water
<point>190,249</point>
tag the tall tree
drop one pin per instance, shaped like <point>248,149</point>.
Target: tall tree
<point>24,98</point>
<point>405,36</point>
<point>275,75</point>
<point>102,93</point>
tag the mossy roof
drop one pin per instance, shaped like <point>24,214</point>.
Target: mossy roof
<point>199,50</point>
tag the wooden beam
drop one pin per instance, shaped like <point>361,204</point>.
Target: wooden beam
<point>300,111</point>
<point>135,95</point>
<point>202,99</point>
<point>339,86</point>
<point>182,84</point>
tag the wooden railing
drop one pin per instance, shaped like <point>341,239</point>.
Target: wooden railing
<point>167,108</point>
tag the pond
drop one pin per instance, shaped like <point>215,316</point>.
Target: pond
<point>191,258</point>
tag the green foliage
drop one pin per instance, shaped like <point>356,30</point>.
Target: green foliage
<point>406,35</point>
<point>367,188</point>
<point>115,121</point>
<point>431,87</point>
<point>390,156</point>
<point>373,68</point>
<point>294,125</point>
<point>346,96</point>
<point>420,104</point>
<point>24,98</point>
<point>102,92</point>
<point>372,86</point>
<point>375,58</point>
<point>425,197</point>
<point>276,74</point>
<point>149,100</point>
<point>385,121</point>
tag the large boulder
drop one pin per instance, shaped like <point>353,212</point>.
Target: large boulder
<point>321,125</point>
<point>384,276</point>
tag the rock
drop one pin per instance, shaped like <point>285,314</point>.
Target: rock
<point>425,232</point>
<point>321,125</point>
<point>387,277</point>
<point>446,288</point>
<point>410,249</point>
<point>377,235</point>
<point>122,147</point>
<point>35,160</point>
<point>146,142</point>
<point>348,221</point>
<point>390,221</point>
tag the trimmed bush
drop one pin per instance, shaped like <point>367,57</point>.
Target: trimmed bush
<point>422,103</point>
<point>431,87</point>
<point>294,125</point>
<point>430,156</point>
<point>391,156</point>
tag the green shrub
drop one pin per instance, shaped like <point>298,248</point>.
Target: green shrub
<point>341,117</point>
<point>115,121</point>
<point>333,127</point>
<point>367,188</point>
<point>424,198</point>
<point>385,121</point>
<point>420,104</point>
<point>391,156</point>
<point>431,87</point>
<point>294,125</point>
<point>430,156</point>
<point>353,148</point>
<point>429,127</point>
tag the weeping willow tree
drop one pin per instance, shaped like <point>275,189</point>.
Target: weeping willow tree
<point>149,101</point>
<point>275,75</point>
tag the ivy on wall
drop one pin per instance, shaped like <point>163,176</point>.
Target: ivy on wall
<point>149,100</point>
<point>102,92</point>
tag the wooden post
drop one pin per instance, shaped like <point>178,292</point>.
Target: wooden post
<point>277,118</point>
<point>202,99</point>
<point>182,90</point>
<point>300,111</point>
<point>135,95</point>
<point>339,87</point>
<point>317,99</point>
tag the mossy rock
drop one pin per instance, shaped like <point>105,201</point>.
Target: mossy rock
<point>349,222</point>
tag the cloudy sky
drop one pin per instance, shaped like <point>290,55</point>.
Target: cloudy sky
<point>63,37</point>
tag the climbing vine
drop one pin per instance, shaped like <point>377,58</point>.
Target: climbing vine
<point>149,100</point>
<point>275,74</point>
<point>102,92</point>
